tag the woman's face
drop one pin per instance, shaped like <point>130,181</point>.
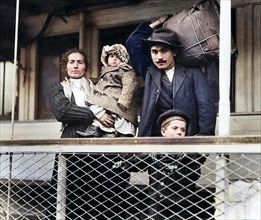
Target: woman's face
<point>76,67</point>
<point>113,60</point>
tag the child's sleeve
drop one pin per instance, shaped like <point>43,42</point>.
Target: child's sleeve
<point>129,86</point>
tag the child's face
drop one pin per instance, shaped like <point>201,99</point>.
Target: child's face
<point>174,129</point>
<point>113,60</point>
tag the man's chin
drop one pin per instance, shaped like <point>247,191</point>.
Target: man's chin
<point>162,67</point>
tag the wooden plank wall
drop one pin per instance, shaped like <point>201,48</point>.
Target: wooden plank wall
<point>248,64</point>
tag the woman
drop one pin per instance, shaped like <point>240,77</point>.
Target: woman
<point>94,187</point>
<point>68,98</point>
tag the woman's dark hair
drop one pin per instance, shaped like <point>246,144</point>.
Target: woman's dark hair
<point>64,59</point>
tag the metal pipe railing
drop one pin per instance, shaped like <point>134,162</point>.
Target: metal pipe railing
<point>224,102</point>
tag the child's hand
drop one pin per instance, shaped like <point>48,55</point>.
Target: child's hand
<point>107,120</point>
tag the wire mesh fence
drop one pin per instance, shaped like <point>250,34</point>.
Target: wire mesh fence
<point>79,185</point>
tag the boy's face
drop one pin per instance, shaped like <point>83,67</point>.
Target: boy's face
<point>162,56</point>
<point>174,129</point>
<point>113,60</point>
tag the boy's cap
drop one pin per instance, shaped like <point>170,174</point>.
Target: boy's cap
<point>173,114</point>
<point>163,36</point>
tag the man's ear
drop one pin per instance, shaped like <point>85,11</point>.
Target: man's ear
<point>163,132</point>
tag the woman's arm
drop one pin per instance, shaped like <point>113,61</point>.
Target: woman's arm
<point>64,110</point>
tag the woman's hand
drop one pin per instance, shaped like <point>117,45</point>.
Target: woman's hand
<point>107,120</point>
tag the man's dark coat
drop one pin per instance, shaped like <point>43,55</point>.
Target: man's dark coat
<point>191,92</point>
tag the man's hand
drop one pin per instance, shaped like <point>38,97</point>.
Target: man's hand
<point>164,18</point>
<point>160,21</point>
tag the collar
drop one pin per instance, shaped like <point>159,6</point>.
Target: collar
<point>170,73</point>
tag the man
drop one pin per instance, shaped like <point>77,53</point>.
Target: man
<point>169,85</point>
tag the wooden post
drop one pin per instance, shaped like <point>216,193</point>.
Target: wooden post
<point>61,188</point>
<point>224,104</point>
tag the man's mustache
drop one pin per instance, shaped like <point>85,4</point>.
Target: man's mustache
<point>161,61</point>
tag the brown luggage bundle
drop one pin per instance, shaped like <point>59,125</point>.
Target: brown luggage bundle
<point>198,30</point>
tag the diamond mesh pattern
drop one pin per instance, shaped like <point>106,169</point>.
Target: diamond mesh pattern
<point>128,186</point>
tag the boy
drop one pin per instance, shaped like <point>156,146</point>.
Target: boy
<point>172,177</point>
<point>173,123</point>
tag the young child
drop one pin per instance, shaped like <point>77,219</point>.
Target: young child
<point>172,176</point>
<point>173,123</point>
<point>114,94</point>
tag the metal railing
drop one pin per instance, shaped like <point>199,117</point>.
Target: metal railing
<point>131,178</point>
